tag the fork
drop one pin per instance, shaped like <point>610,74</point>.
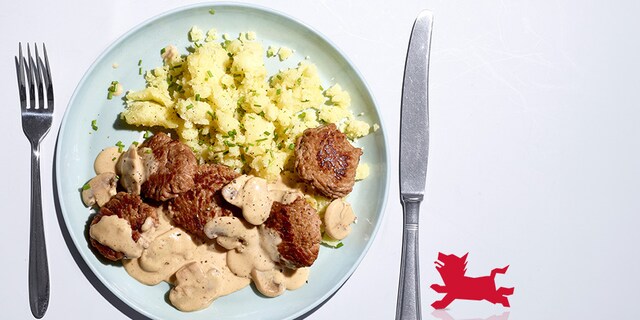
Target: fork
<point>36,122</point>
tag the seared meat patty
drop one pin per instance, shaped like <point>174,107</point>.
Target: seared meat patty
<point>173,170</point>
<point>298,225</point>
<point>192,210</point>
<point>129,207</point>
<point>325,159</point>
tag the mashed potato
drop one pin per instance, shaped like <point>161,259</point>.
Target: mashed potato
<point>223,104</point>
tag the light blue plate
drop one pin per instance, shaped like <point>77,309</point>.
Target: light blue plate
<point>78,146</point>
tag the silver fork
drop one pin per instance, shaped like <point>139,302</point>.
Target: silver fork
<point>34,80</point>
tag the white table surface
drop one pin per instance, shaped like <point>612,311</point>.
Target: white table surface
<point>534,158</point>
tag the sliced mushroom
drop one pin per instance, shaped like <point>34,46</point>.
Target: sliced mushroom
<point>134,167</point>
<point>338,219</point>
<point>270,283</point>
<point>195,289</point>
<point>251,194</point>
<point>228,231</point>
<point>100,189</point>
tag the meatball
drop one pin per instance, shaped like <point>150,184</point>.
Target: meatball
<point>192,210</point>
<point>298,225</point>
<point>326,160</point>
<point>173,168</point>
<point>129,207</point>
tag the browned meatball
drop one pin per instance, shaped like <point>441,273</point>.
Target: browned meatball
<point>326,160</point>
<point>129,207</point>
<point>192,210</point>
<point>298,225</point>
<point>173,169</point>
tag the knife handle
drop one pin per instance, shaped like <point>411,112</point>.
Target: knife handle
<point>408,307</point>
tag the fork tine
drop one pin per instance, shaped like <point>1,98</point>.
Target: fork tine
<point>22,89</point>
<point>29,69</point>
<point>38,75</point>
<point>47,77</point>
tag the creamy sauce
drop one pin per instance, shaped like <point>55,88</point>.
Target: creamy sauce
<point>135,166</point>
<point>201,272</point>
<point>338,219</point>
<point>174,256</point>
<point>253,253</point>
<point>255,196</point>
<point>106,160</point>
<point>243,242</point>
<point>115,233</point>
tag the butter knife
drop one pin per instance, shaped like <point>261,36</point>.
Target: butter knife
<point>414,150</point>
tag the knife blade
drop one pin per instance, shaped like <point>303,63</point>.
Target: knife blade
<point>414,151</point>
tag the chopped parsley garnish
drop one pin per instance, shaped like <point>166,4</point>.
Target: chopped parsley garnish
<point>120,146</point>
<point>212,11</point>
<point>197,97</point>
<point>163,50</point>
<point>86,186</point>
<point>94,125</point>
<point>339,245</point>
<point>292,146</point>
<point>140,62</point>
<point>190,106</point>
<point>112,89</point>
<point>147,135</point>
<point>278,91</point>
<point>266,133</point>
<point>210,74</point>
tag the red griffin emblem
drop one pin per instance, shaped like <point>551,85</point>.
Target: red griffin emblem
<point>452,269</point>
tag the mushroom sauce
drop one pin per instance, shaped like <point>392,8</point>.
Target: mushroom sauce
<point>241,250</point>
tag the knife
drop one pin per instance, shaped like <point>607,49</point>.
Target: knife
<point>414,150</point>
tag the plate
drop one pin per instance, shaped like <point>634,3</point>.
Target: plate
<point>78,146</point>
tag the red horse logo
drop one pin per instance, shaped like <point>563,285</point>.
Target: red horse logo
<point>452,269</point>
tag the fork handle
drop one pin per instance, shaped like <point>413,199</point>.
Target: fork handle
<point>38,265</point>
<point>408,305</point>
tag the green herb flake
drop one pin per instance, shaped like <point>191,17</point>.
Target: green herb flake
<point>190,106</point>
<point>140,62</point>
<point>147,135</point>
<point>136,143</point>
<point>86,186</point>
<point>210,74</point>
<point>339,245</point>
<point>278,91</point>
<point>292,146</point>
<point>114,159</point>
<point>163,50</point>
<point>197,97</point>
<point>120,146</point>
<point>94,125</point>
<point>267,133</point>
<point>212,11</point>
